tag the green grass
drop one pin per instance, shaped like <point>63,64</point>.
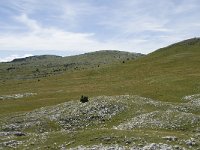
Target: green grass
<point>92,137</point>
<point>50,65</point>
<point>167,75</point>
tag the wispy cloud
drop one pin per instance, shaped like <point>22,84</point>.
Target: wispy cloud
<point>30,23</point>
<point>48,38</point>
<point>140,26</point>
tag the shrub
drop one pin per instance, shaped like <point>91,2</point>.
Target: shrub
<point>84,99</point>
<point>37,70</point>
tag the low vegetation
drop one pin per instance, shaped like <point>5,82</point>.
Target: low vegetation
<point>50,65</point>
<point>84,99</point>
<point>151,102</point>
<point>150,123</point>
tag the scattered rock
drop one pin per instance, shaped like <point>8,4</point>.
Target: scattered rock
<point>19,134</point>
<point>170,138</point>
<point>151,146</point>
<point>177,147</point>
<point>191,142</point>
<point>12,143</point>
<point>12,133</point>
<point>16,96</point>
<point>74,116</point>
<point>128,142</point>
<point>107,139</point>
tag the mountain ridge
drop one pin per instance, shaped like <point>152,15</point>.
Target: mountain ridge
<point>46,56</point>
<point>46,65</point>
<point>35,57</point>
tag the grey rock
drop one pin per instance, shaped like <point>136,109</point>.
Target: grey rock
<point>191,142</point>
<point>12,143</point>
<point>170,138</point>
<point>19,134</point>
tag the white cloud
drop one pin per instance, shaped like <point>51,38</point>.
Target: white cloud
<point>14,56</point>
<point>30,23</point>
<point>40,38</point>
<point>140,26</point>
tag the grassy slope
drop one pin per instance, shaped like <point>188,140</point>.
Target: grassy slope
<point>48,65</point>
<point>167,75</point>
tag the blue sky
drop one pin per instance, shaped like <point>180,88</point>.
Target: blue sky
<point>68,27</point>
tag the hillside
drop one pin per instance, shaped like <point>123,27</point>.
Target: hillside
<point>47,65</point>
<point>147,103</point>
<point>151,76</point>
<point>168,73</point>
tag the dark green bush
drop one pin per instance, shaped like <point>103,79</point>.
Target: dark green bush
<point>84,99</point>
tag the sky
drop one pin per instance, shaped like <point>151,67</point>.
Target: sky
<point>69,27</point>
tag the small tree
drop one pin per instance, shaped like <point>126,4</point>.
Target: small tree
<point>37,70</point>
<point>84,99</point>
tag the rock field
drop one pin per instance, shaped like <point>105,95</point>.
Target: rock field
<point>112,113</point>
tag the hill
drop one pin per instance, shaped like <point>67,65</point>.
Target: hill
<point>47,65</point>
<point>151,76</point>
<point>147,103</point>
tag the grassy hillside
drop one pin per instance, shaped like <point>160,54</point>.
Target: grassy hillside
<point>167,74</point>
<point>152,99</point>
<point>49,65</point>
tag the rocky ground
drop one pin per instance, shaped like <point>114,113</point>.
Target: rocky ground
<point>152,146</point>
<point>106,122</point>
<point>16,96</point>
